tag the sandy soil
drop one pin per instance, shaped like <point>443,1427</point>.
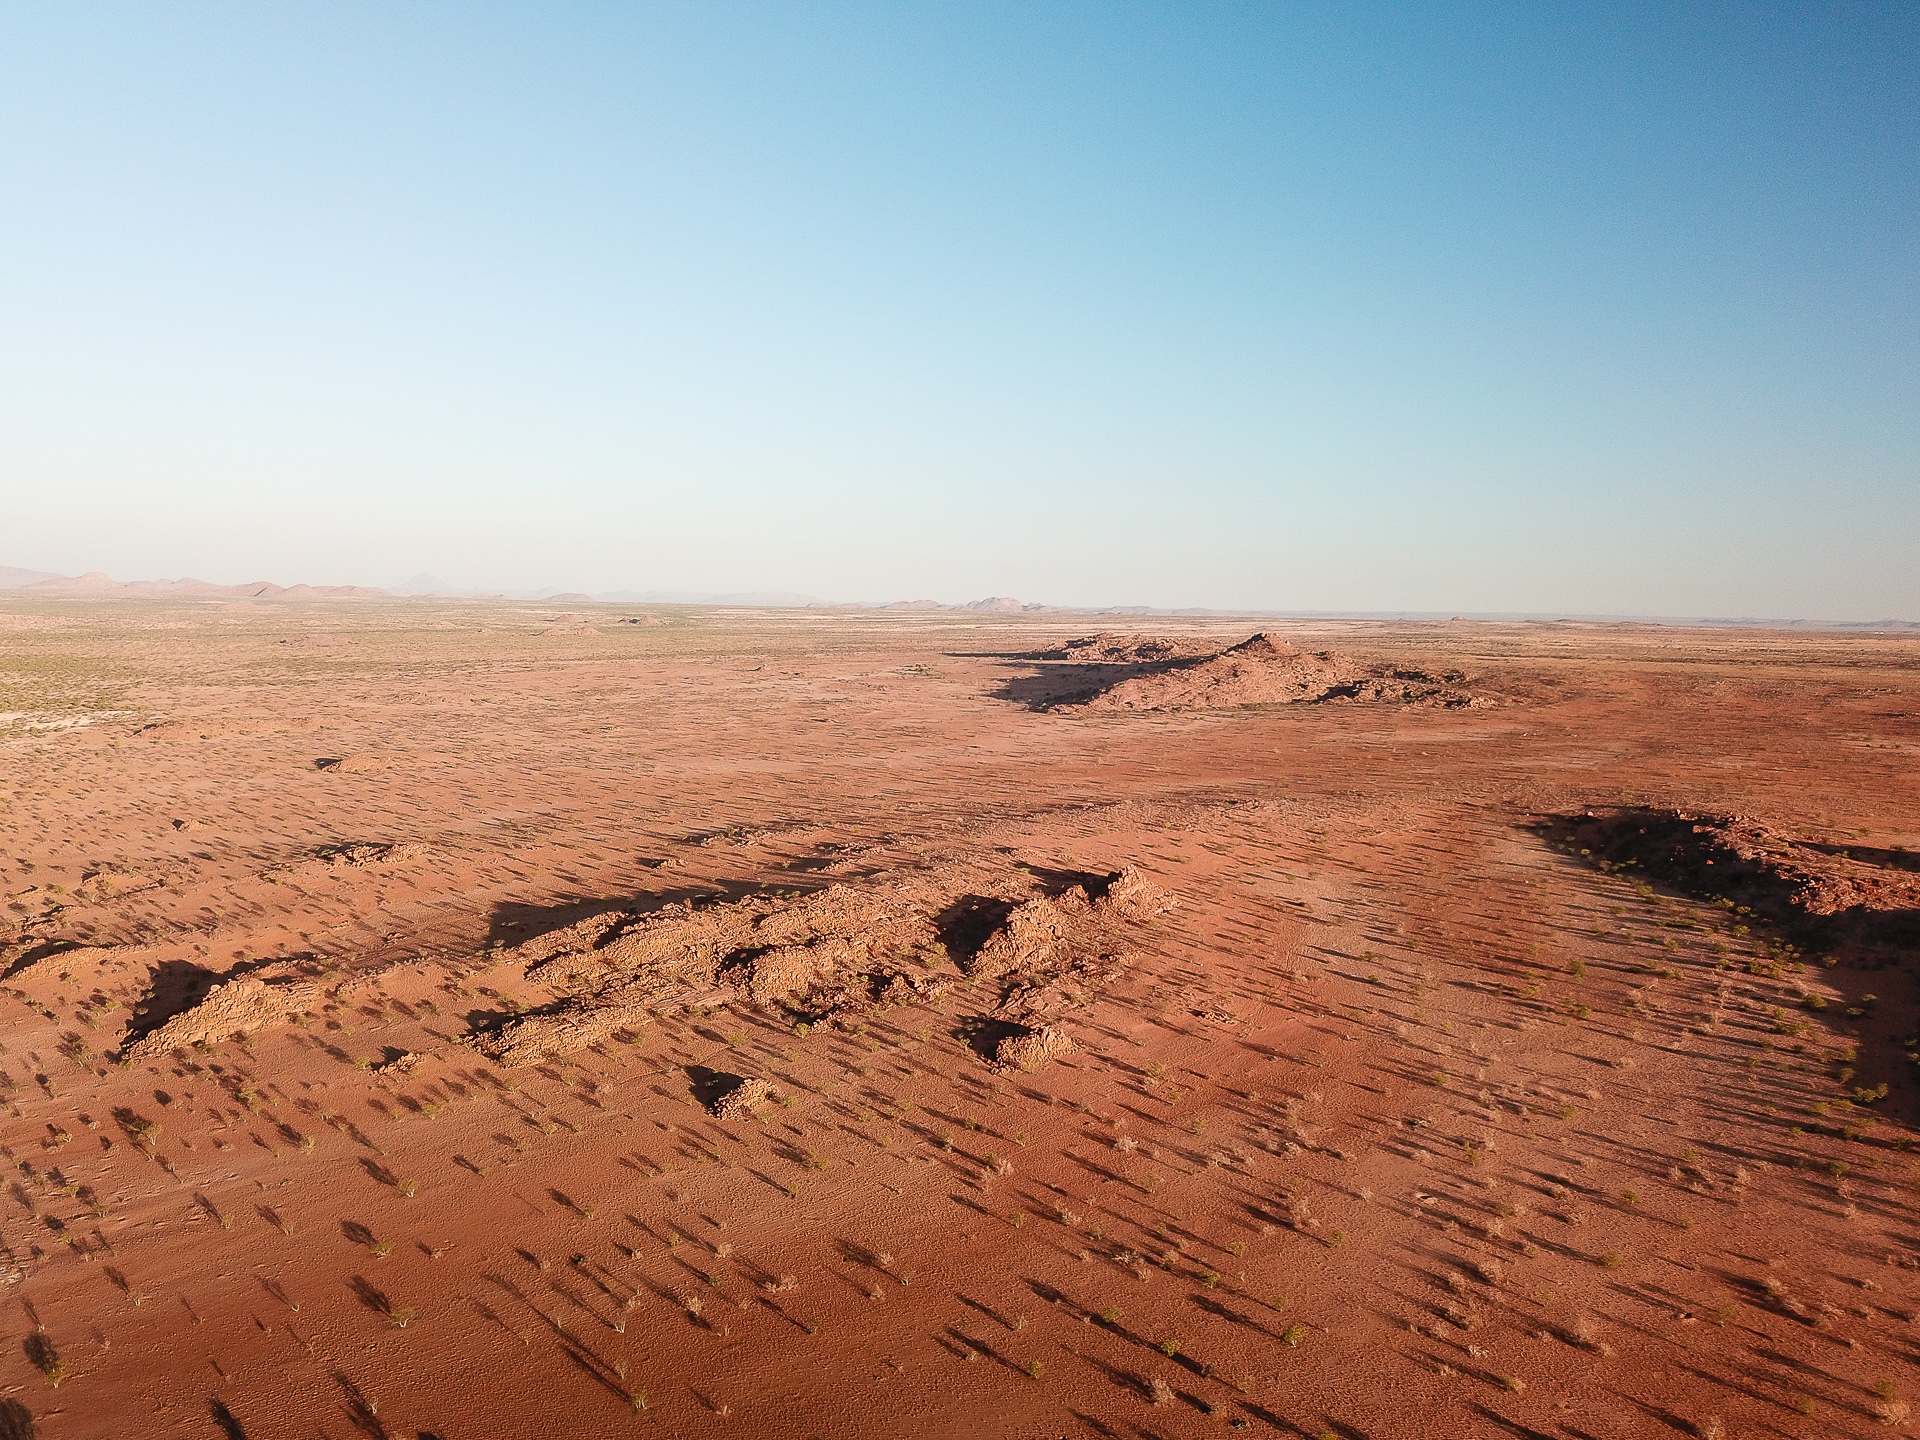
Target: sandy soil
<point>479,1020</point>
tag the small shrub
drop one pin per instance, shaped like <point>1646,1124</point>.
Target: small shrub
<point>44,1357</point>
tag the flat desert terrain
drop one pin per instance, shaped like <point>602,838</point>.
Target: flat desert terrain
<point>485,1020</point>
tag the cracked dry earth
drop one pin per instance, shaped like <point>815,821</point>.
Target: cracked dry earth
<point>456,1020</point>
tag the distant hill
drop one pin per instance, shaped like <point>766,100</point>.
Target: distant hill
<point>96,584</point>
<point>425,584</point>
<point>12,577</point>
<point>18,581</point>
<point>708,597</point>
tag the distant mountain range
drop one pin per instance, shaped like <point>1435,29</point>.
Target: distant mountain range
<point>93,583</point>
<point>44,583</point>
<point>12,577</point>
<point>424,584</point>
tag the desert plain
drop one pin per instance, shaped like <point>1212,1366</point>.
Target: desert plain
<point>479,1020</point>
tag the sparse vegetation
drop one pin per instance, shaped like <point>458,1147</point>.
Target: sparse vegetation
<point>1433,1071</point>
<point>44,1357</point>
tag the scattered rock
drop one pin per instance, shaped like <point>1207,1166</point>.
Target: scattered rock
<point>1029,938</point>
<point>832,956</point>
<point>18,957</point>
<point>355,764</point>
<point>568,625</point>
<point>361,853</point>
<point>1266,670</point>
<point>1111,648</point>
<point>237,1007</point>
<point>1130,894</point>
<point>1113,672</point>
<point>1029,1050</point>
<point>192,727</point>
<point>740,1102</point>
<point>1826,897</point>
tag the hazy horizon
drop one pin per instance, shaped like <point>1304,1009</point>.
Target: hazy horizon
<point>1510,309</point>
<point>417,588</point>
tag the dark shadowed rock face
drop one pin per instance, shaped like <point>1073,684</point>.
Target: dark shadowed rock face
<point>1824,898</point>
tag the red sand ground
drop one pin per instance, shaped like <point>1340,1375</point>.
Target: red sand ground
<point>1400,1118</point>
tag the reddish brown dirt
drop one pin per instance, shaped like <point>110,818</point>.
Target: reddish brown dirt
<point>778,1021</point>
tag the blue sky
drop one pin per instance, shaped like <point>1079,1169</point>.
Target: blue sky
<point>1476,307</point>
